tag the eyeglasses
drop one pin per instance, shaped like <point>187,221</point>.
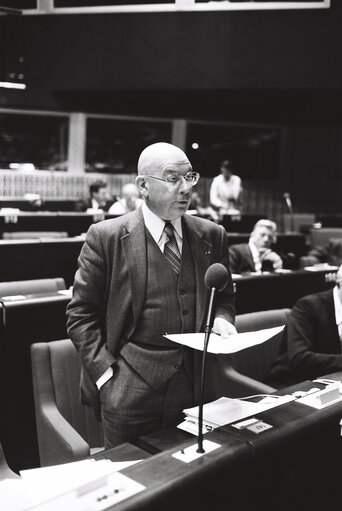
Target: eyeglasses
<point>191,178</point>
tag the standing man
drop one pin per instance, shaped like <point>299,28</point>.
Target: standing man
<point>226,190</point>
<point>141,276</point>
<point>256,255</point>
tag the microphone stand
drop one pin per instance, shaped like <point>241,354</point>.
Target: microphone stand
<point>207,332</point>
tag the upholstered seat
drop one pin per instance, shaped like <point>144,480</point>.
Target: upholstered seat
<point>67,430</point>
<point>242,373</point>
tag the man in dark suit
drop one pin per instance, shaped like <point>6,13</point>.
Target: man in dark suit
<point>98,198</point>
<point>141,276</point>
<point>256,255</point>
<point>311,344</point>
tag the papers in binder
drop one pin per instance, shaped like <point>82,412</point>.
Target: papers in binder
<point>234,343</point>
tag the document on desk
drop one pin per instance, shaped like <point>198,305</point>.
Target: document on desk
<point>226,410</point>
<point>69,481</point>
<point>234,343</point>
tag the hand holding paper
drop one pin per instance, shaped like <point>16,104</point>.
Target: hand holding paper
<point>223,328</point>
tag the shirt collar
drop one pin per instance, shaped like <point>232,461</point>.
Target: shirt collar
<point>338,306</point>
<point>95,204</point>
<point>254,250</point>
<point>155,224</point>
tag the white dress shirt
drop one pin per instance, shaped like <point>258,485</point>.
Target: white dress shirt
<point>256,256</point>
<point>338,310</point>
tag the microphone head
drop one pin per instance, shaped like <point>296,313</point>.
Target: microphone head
<point>216,276</point>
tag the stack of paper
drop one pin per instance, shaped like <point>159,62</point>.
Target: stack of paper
<point>226,410</point>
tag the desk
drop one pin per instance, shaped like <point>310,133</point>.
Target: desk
<point>39,258</point>
<point>36,318</point>
<point>295,463</point>
<point>276,290</point>
<point>73,223</point>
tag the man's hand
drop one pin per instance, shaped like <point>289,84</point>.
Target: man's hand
<point>275,259</point>
<point>223,328</point>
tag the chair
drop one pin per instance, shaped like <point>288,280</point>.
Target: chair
<point>242,373</point>
<point>19,287</point>
<point>5,471</point>
<point>67,430</point>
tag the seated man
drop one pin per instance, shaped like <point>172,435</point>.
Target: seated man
<point>256,255</point>
<point>98,198</point>
<point>311,344</point>
<point>129,202</point>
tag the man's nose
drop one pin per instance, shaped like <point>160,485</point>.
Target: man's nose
<point>185,185</point>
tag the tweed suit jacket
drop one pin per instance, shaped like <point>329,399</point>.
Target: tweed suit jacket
<point>241,258</point>
<point>110,285</point>
<point>311,345</point>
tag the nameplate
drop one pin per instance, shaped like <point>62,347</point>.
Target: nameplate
<point>322,398</point>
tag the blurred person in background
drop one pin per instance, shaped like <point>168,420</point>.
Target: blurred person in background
<point>256,255</point>
<point>226,190</point>
<point>129,201</point>
<point>98,199</point>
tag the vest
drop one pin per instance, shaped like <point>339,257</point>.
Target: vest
<point>169,307</point>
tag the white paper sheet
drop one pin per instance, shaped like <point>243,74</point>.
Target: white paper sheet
<point>234,343</point>
<point>226,410</point>
<point>49,482</point>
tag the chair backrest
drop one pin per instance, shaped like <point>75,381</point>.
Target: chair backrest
<point>5,471</point>
<point>19,287</point>
<point>56,371</point>
<point>255,362</point>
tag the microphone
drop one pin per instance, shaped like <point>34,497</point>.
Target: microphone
<point>216,276</point>
<point>215,279</point>
<point>288,201</point>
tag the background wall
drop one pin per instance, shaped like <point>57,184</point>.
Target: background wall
<point>280,67</point>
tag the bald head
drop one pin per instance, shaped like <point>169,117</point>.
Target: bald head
<point>158,165</point>
<point>156,157</point>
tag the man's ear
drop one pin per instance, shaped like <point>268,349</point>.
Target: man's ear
<point>141,184</point>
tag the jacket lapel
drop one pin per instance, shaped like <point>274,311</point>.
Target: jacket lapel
<point>249,257</point>
<point>201,252</point>
<point>134,246</point>
<point>328,311</point>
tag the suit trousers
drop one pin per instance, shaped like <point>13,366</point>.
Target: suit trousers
<point>130,407</point>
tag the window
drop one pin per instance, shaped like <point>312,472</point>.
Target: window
<point>39,141</point>
<point>114,145</point>
<point>254,151</point>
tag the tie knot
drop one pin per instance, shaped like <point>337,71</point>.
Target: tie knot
<point>168,228</point>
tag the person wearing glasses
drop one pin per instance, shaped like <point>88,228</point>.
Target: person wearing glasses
<point>311,343</point>
<point>141,276</point>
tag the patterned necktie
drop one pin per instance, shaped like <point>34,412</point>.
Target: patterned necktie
<point>171,250</point>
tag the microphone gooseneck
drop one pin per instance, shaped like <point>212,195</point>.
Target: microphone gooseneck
<point>215,279</point>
